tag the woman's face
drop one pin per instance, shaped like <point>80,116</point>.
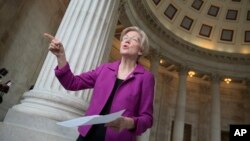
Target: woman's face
<point>131,44</point>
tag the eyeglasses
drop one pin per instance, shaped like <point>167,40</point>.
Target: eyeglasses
<point>133,38</point>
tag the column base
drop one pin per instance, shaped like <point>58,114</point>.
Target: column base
<point>52,105</point>
<point>18,126</point>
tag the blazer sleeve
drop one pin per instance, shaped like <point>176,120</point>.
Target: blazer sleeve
<point>77,82</point>
<point>145,118</point>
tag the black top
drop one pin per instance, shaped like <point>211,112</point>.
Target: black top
<point>97,132</point>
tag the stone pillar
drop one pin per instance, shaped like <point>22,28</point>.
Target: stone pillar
<point>215,110</point>
<point>154,65</point>
<point>86,32</point>
<point>179,121</point>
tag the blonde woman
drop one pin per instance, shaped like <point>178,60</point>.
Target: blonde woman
<point>123,84</point>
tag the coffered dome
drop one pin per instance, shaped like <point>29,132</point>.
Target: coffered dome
<point>221,25</point>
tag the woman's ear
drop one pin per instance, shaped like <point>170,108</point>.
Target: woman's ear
<point>140,53</point>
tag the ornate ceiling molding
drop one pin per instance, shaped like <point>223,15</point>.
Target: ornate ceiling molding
<point>177,50</point>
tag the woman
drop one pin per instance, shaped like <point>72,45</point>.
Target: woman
<point>123,84</point>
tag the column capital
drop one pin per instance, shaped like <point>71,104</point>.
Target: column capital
<point>215,77</point>
<point>183,70</point>
<point>154,54</point>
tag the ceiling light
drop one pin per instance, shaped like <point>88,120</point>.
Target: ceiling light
<point>227,80</point>
<point>191,73</point>
<point>161,61</point>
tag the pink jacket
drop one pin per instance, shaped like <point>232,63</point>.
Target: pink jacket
<point>135,94</point>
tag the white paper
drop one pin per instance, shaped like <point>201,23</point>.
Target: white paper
<point>90,120</point>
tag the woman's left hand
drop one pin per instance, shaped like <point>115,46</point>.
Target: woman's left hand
<point>121,123</point>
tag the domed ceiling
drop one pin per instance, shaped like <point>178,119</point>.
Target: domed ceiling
<point>211,37</point>
<point>220,25</point>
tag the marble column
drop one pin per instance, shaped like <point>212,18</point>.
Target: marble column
<point>179,121</point>
<point>150,134</point>
<point>154,66</point>
<point>86,32</point>
<point>215,129</point>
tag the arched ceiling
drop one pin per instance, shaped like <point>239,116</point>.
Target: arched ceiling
<point>220,25</point>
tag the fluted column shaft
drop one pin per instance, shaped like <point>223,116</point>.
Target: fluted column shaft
<point>215,111</point>
<point>154,65</point>
<point>179,121</point>
<point>86,32</point>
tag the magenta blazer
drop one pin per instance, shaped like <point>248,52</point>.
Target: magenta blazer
<point>135,94</point>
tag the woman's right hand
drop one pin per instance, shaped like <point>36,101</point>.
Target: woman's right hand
<point>56,47</point>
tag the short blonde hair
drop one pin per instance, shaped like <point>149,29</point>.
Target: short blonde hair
<point>144,38</point>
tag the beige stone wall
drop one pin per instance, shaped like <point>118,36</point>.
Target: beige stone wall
<point>234,107</point>
<point>234,102</point>
<point>247,104</point>
<point>167,87</point>
<point>204,112</point>
<point>22,46</point>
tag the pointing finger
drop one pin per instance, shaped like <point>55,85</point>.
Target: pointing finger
<point>49,36</point>
<point>53,40</point>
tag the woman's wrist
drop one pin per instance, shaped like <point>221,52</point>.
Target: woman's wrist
<point>61,60</point>
<point>130,123</point>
